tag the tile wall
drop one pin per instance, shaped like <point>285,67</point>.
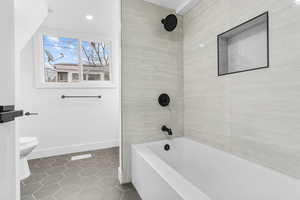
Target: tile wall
<point>256,114</point>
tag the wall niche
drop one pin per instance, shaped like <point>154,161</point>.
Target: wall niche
<point>244,47</point>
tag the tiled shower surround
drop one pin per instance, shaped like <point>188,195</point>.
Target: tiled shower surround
<point>254,115</point>
<point>151,65</point>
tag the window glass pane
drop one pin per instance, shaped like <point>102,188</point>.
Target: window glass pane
<point>62,76</point>
<point>61,58</point>
<point>92,77</point>
<point>96,60</point>
<point>75,77</point>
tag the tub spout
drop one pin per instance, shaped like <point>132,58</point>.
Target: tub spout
<point>166,129</point>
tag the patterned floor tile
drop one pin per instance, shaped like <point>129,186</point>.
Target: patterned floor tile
<point>131,195</point>
<point>59,178</point>
<point>27,197</point>
<point>46,191</point>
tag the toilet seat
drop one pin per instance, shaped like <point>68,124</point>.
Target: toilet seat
<point>27,144</point>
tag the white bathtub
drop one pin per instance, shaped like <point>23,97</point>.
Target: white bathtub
<point>193,171</point>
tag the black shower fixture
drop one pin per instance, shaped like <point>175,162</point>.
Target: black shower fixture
<point>167,147</point>
<point>164,100</point>
<point>170,22</point>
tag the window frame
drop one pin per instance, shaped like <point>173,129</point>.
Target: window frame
<point>39,60</point>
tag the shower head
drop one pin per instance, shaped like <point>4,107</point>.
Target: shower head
<point>170,22</point>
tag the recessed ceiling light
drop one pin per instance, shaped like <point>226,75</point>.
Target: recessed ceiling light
<point>297,2</point>
<point>89,17</point>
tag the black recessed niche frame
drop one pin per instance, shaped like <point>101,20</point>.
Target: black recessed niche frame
<point>164,100</point>
<point>244,47</point>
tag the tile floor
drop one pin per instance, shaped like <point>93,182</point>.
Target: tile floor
<point>59,178</point>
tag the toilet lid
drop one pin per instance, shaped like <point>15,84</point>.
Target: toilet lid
<point>28,140</point>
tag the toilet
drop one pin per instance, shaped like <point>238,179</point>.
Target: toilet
<point>27,144</point>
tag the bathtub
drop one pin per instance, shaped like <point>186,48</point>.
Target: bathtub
<point>193,171</point>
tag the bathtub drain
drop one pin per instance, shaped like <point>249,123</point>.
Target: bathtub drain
<point>167,147</point>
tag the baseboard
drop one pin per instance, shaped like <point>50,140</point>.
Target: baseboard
<point>42,153</point>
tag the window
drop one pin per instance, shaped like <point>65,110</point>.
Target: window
<point>75,60</point>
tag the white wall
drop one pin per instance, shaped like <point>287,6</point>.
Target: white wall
<point>27,19</point>
<point>73,125</point>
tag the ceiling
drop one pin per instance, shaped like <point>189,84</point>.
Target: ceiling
<point>180,6</point>
<point>70,15</point>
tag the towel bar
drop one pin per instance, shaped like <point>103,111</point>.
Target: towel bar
<point>65,96</point>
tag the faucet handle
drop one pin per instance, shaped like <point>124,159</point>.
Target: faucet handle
<point>164,128</point>
<point>170,132</point>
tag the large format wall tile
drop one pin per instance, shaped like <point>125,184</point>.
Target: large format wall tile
<point>256,114</point>
<point>151,65</point>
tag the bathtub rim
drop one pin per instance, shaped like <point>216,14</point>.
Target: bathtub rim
<point>177,182</point>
